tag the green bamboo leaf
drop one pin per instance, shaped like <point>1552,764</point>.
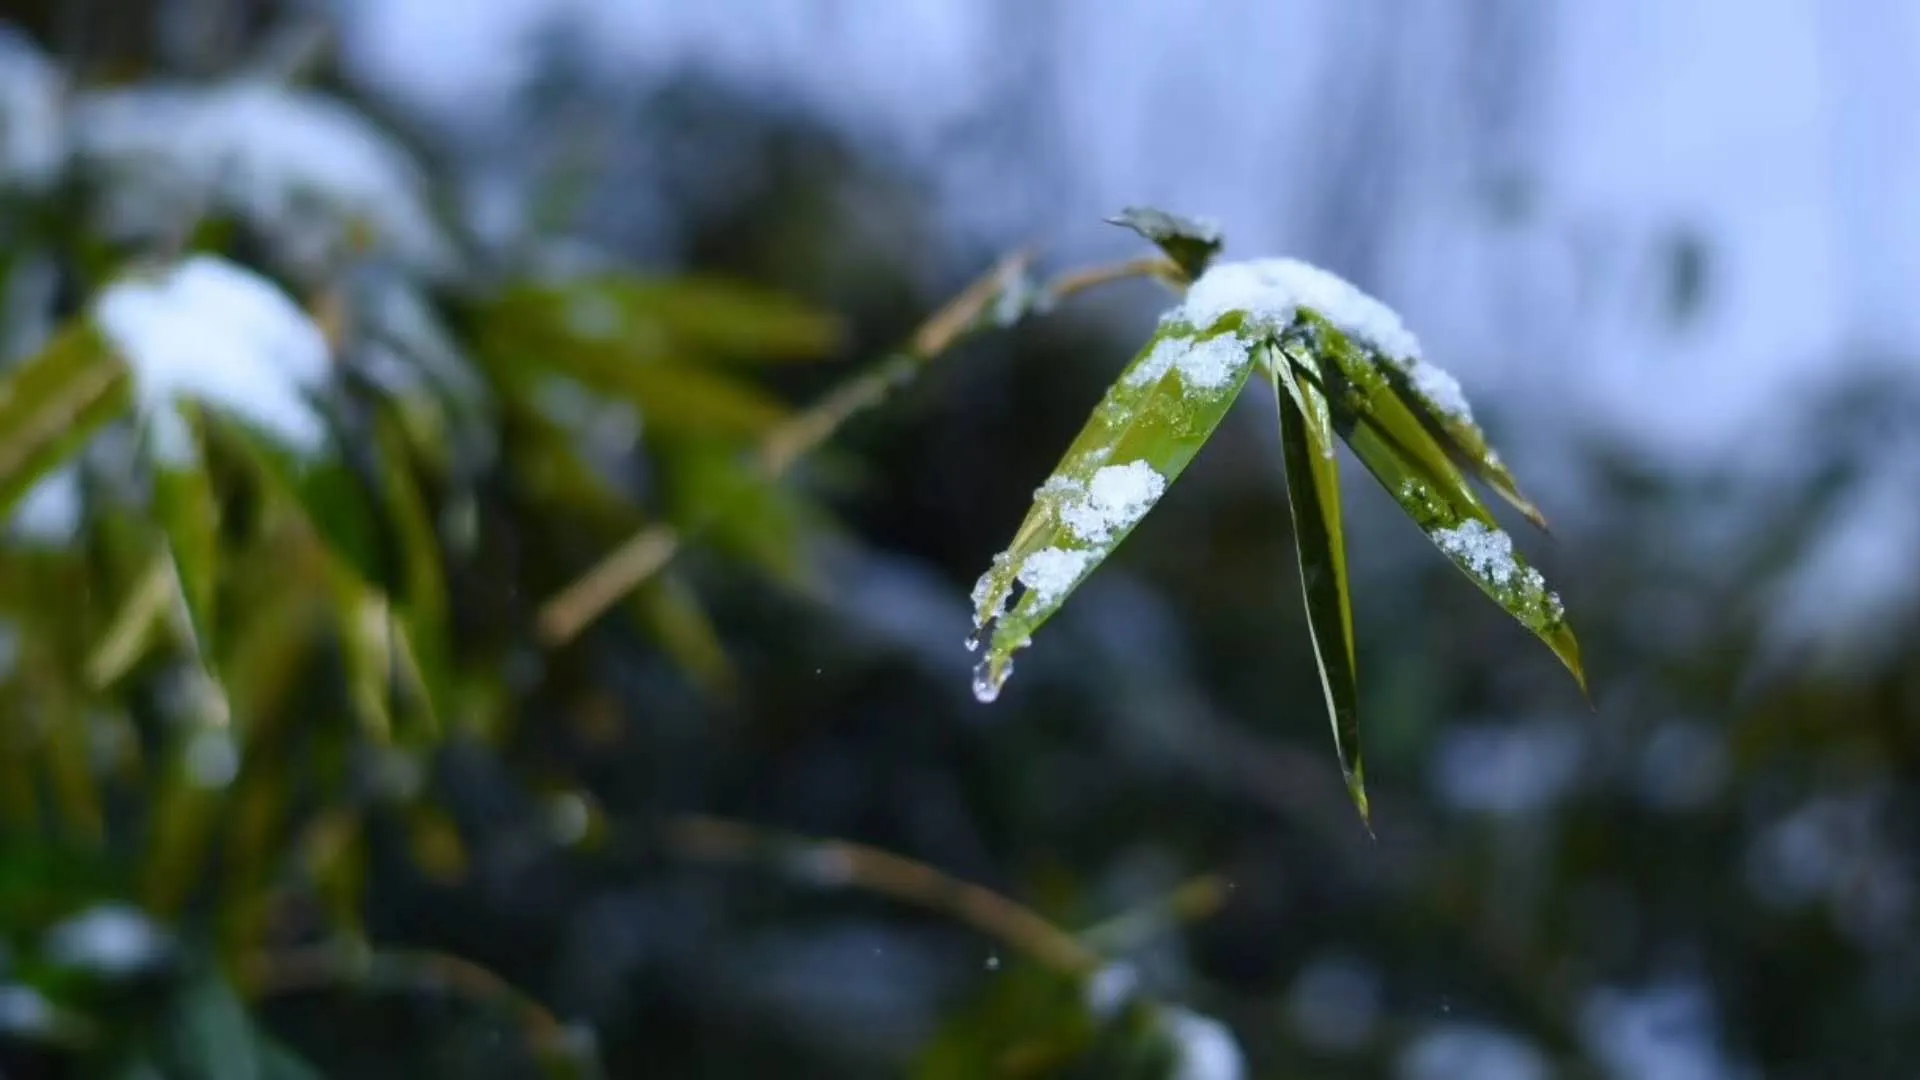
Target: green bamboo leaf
<point>423,603</point>
<point>188,513</point>
<point>670,395</point>
<point>1441,405</point>
<point>671,613</point>
<point>739,510</point>
<point>323,491</point>
<point>1417,471</point>
<point>1140,438</point>
<point>685,317</point>
<point>1190,242</point>
<point>51,404</point>
<point>699,316</point>
<point>1313,493</point>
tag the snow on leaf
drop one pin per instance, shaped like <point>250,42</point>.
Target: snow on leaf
<point>311,173</point>
<point>1141,436</point>
<point>210,331</point>
<point>1392,441</point>
<point>1270,293</point>
<point>1206,365</point>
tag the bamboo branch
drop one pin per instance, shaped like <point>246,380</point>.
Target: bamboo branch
<point>851,865</point>
<point>649,551</point>
<point>337,966</point>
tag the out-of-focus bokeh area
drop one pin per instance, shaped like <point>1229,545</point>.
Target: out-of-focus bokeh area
<point>332,743</point>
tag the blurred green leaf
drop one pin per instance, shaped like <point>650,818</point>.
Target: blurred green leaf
<point>324,491</point>
<point>741,511</point>
<point>1140,438</point>
<point>188,513</point>
<point>671,613</point>
<point>1313,493</point>
<point>209,1035</point>
<point>680,317</point>
<point>52,403</point>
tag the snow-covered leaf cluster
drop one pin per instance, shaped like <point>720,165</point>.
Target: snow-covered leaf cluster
<point>1342,365</point>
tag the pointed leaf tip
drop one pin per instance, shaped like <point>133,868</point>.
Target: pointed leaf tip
<point>1313,494</point>
<point>1407,458</point>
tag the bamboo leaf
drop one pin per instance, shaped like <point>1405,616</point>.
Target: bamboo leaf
<point>683,317</point>
<point>423,603</point>
<point>51,404</point>
<point>670,612</point>
<point>1416,470</point>
<point>325,492</point>
<point>1140,438</point>
<point>1437,400</point>
<point>1191,243</point>
<point>188,513</point>
<point>1313,493</point>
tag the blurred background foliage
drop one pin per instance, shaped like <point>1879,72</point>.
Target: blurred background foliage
<point>595,703</point>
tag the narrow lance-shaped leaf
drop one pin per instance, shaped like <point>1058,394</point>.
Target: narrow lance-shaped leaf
<point>51,404</point>
<point>1140,438</point>
<point>188,513</point>
<point>1436,398</point>
<point>1313,493</point>
<point>1402,454</point>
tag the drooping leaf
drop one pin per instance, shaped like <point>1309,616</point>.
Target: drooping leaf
<point>669,611</point>
<point>51,404</point>
<point>1313,493</point>
<point>323,491</point>
<point>1417,471</point>
<point>423,605</point>
<point>1436,399</point>
<point>188,513</point>
<point>1191,243</point>
<point>1140,438</point>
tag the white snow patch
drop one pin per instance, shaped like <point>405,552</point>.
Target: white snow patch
<point>1272,291</point>
<point>32,145</point>
<point>111,939</point>
<point>213,331</point>
<point>310,171</point>
<point>1111,989</point>
<point>49,513</point>
<point>1207,364</point>
<point>1454,1051</point>
<point>1435,384</point>
<point>1488,552</point>
<point>1665,1032</point>
<point>1117,497</point>
<point>1050,572</point>
<point>1204,1048</point>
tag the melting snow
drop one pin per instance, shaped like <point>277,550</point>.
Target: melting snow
<point>1116,498</point>
<point>1050,572</point>
<point>1488,552</point>
<point>1209,364</point>
<point>213,331</point>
